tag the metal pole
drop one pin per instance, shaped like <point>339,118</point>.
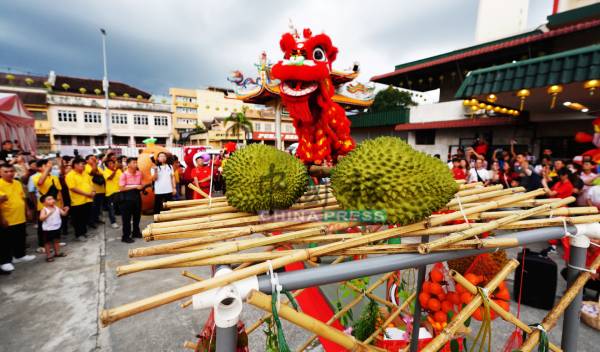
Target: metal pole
<point>414,337</point>
<point>577,256</point>
<point>295,280</point>
<point>278,108</point>
<point>105,87</point>
<point>226,339</point>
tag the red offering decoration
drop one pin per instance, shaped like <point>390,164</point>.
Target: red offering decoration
<point>306,91</point>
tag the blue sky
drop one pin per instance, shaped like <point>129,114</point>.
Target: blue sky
<point>157,44</point>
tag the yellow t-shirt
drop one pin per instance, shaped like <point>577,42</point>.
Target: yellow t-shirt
<point>13,209</point>
<point>81,181</point>
<point>112,185</point>
<point>97,188</point>
<point>45,187</point>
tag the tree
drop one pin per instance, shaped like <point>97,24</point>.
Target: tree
<point>390,99</point>
<point>239,122</point>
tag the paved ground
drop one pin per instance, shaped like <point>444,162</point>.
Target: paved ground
<point>54,306</point>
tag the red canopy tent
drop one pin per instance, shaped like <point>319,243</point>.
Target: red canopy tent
<point>16,122</point>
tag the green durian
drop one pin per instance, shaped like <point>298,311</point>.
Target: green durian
<point>260,177</point>
<point>387,174</point>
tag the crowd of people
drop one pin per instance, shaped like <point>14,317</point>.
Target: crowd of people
<point>53,193</point>
<point>559,178</point>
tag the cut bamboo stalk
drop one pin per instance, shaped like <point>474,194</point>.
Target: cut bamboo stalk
<point>390,318</point>
<point>214,204</point>
<point>438,220</point>
<point>190,345</point>
<point>458,320</point>
<point>198,190</point>
<point>508,316</point>
<point>229,259</point>
<point>558,310</point>
<point>458,236</point>
<point>209,218</point>
<point>477,190</point>
<point>187,202</point>
<point>370,295</point>
<point>522,204</point>
<point>264,318</point>
<point>460,181</point>
<point>485,195</point>
<point>193,213</point>
<point>553,212</point>
<point>462,185</point>
<point>346,308</point>
<point>226,248</point>
<point>262,301</point>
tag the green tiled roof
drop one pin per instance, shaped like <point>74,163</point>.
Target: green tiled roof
<point>379,119</point>
<point>576,65</point>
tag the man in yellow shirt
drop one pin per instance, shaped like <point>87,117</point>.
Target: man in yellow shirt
<point>46,183</point>
<point>12,220</point>
<point>82,193</point>
<point>95,175</point>
<point>112,174</point>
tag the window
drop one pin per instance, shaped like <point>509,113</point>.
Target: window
<point>66,140</point>
<point>99,140</point>
<point>83,140</point>
<point>161,140</point>
<point>92,117</point>
<point>289,128</point>
<point>40,115</point>
<point>161,121</point>
<point>181,99</point>
<point>140,119</point>
<point>186,122</point>
<point>43,139</point>
<point>268,127</point>
<point>257,126</point>
<point>67,116</point>
<point>185,110</point>
<point>119,119</point>
<point>117,140</point>
<point>423,137</point>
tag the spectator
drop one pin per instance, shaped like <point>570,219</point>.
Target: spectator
<point>527,177</point>
<point>164,181</point>
<point>7,154</point>
<point>587,176</point>
<point>480,146</point>
<point>201,175</point>
<point>13,213</point>
<point>21,168</point>
<point>51,221</point>
<point>457,170</point>
<point>95,174</point>
<point>81,193</point>
<point>177,171</point>
<point>45,184</point>
<point>507,175</point>
<point>63,169</point>
<point>495,173</point>
<point>472,156</point>
<point>130,185</point>
<point>504,157</point>
<point>561,189</point>
<point>112,175</point>
<point>479,173</point>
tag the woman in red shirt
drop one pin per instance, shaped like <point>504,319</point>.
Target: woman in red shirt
<point>561,189</point>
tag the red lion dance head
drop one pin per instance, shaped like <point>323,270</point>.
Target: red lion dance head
<point>306,91</point>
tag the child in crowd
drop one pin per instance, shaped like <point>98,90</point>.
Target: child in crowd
<point>50,216</point>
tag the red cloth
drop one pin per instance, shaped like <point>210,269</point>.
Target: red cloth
<point>481,149</point>
<point>201,172</point>
<point>563,189</point>
<point>459,174</point>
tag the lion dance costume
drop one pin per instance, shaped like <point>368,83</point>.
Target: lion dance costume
<point>306,91</point>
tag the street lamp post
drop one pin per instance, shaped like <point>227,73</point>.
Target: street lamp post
<point>105,87</point>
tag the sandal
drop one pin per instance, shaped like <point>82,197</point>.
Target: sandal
<point>50,259</point>
<point>60,255</point>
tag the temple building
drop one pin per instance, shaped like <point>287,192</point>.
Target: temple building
<point>538,87</point>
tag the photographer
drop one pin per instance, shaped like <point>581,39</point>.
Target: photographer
<point>130,185</point>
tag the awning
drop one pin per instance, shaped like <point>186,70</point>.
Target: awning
<point>16,123</point>
<point>576,65</point>
<point>478,122</point>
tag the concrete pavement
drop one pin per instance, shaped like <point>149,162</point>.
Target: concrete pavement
<point>55,306</point>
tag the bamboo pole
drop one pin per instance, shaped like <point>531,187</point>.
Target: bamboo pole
<point>226,248</point>
<point>262,301</point>
<point>229,259</point>
<point>193,213</point>
<point>459,319</point>
<point>264,318</point>
<point>508,316</point>
<point>485,195</point>
<point>198,190</point>
<point>438,220</point>
<point>458,236</point>
<point>190,345</point>
<point>477,190</point>
<point>463,185</point>
<point>208,218</point>
<point>188,202</point>
<point>214,204</point>
<point>552,317</point>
